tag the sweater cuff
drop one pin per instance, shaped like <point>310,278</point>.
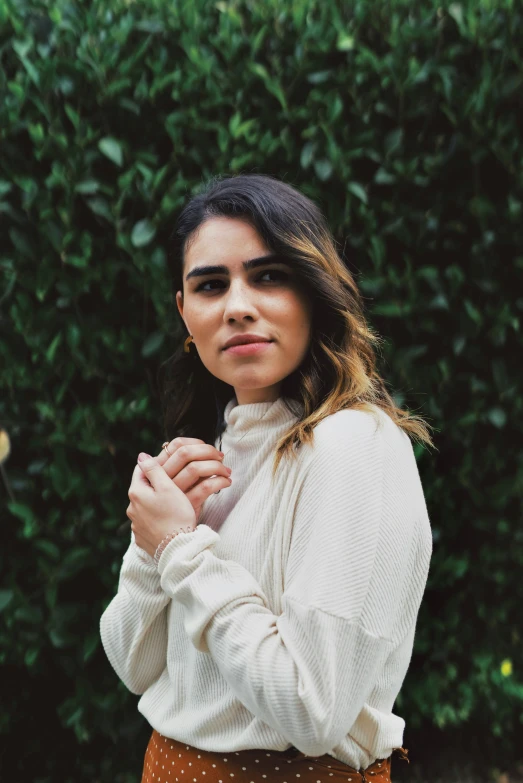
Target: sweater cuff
<point>141,556</point>
<point>185,547</point>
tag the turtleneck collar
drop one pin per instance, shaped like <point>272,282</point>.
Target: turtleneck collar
<point>256,417</point>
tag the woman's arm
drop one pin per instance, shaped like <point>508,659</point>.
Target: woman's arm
<point>354,580</point>
<point>133,627</point>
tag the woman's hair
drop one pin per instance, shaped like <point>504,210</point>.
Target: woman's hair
<point>339,369</point>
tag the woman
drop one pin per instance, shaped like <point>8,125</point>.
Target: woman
<point>268,600</point>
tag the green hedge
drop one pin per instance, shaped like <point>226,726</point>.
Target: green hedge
<point>402,120</point>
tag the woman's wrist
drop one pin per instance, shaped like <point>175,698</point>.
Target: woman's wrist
<point>167,540</point>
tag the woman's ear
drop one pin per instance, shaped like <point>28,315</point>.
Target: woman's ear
<point>179,303</point>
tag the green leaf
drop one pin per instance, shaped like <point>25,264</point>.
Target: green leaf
<point>345,42</point>
<point>358,190</point>
<point>91,643</point>
<point>260,70</point>
<point>100,206</point>
<point>234,124</point>
<point>49,548</point>
<point>393,141</point>
<point>59,638</point>
<point>307,154</point>
<point>87,186</point>
<point>26,514</point>
<point>22,48</point>
<point>391,309</point>
<point>323,169</point>
<point>36,131</point>
<point>152,344</point>
<point>497,417</point>
<point>150,26</point>
<point>74,560</point>
<point>257,40</point>
<point>53,347</point>
<point>319,77</point>
<point>73,115</point>
<point>6,596</point>
<point>458,344</point>
<point>112,149</point>
<point>30,656</point>
<point>271,84</point>
<point>455,10</point>
<point>473,312</point>
<point>384,177</point>
<point>31,70</point>
<point>142,233</point>
<point>21,242</point>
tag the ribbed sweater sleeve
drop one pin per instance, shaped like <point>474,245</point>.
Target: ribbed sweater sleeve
<point>133,627</point>
<point>308,671</point>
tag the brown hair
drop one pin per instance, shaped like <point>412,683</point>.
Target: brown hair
<point>339,370</point>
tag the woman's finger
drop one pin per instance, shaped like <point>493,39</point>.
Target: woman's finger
<point>175,444</point>
<point>187,453</point>
<point>198,494</point>
<point>195,471</point>
<point>139,479</point>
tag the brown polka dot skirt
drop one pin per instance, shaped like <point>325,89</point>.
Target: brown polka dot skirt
<point>169,761</point>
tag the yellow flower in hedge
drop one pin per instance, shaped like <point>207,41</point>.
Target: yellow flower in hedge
<point>5,446</point>
<point>506,668</point>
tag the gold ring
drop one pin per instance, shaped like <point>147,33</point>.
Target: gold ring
<point>164,446</point>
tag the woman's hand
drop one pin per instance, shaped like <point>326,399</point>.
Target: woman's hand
<point>191,466</point>
<point>190,472</point>
<point>157,505</point>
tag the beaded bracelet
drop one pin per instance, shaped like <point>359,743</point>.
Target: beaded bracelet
<point>168,538</point>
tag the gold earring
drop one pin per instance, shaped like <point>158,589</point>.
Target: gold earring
<point>186,345</point>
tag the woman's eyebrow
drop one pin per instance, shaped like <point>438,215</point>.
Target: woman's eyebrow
<point>220,269</point>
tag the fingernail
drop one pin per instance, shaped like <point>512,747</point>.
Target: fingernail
<point>142,455</point>
<point>229,470</point>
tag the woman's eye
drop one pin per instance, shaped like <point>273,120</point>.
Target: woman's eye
<point>276,272</point>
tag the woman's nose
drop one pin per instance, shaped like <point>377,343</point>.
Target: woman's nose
<point>239,302</point>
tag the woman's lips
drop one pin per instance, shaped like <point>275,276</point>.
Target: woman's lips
<point>247,348</point>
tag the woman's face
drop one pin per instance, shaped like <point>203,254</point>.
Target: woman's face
<point>266,300</point>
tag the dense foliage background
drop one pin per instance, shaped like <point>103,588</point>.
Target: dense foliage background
<point>402,120</point>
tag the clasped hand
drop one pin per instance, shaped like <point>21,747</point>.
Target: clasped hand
<point>167,492</point>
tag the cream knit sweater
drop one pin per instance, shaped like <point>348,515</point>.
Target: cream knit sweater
<point>287,617</point>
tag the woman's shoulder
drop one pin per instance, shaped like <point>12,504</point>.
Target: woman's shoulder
<point>349,431</point>
<point>349,434</point>
<point>355,423</point>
